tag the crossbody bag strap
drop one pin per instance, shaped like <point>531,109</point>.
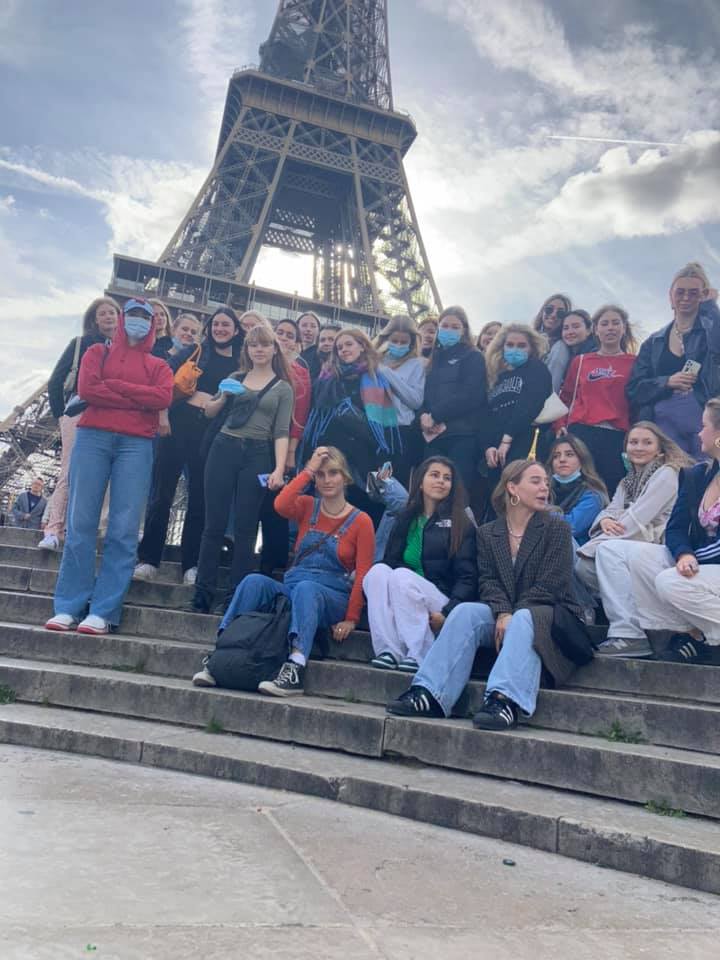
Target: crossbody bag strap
<point>575,389</point>
<point>316,546</point>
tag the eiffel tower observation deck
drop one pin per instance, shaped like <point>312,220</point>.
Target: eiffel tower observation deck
<point>309,161</point>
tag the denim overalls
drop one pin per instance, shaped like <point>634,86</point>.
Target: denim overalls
<point>318,588</point>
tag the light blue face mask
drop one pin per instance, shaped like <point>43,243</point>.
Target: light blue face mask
<point>515,356</point>
<point>137,328</point>
<point>177,343</point>
<point>571,479</point>
<point>448,338</point>
<point>397,352</point>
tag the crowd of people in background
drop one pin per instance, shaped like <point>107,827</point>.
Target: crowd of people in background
<point>492,477</point>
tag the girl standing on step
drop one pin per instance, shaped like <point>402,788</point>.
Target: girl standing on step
<point>99,325</point>
<point>637,516</point>
<point>404,370</point>
<point>246,457</point>
<point>353,411</point>
<point>429,567</point>
<point>525,563</point>
<point>549,322</point>
<point>125,388</point>
<point>335,543</point>
<point>182,449</point>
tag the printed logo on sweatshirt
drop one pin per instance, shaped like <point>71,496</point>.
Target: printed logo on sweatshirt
<point>508,385</point>
<point>444,523</point>
<point>603,373</point>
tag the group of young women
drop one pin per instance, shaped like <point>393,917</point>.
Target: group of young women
<point>449,415</point>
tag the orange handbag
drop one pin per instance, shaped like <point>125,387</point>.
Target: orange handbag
<point>187,376</point>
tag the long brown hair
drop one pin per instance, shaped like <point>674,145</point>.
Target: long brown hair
<point>672,455</point>
<point>456,501</point>
<point>89,323</point>
<point>262,335</point>
<point>628,341</point>
<point>538,322</point>
<point>587,464</point>
<point>362,339</point>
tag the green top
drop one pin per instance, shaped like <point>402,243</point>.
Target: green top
<point>270,420</point>
<point>414,544</point>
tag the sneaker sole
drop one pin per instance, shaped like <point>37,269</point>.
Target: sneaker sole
<point>272,691</point>
<point>408,669</point>
<point>59,628</point>
<point>381,665</point>
<point>203,683</point>
<point>93,631</point>
<point>624,656</point>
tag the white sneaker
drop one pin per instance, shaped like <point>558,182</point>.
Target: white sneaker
<point>49,542</point>
<point>94,625</point>
<point>61,622</point>
<point>203,678</point>
<point>145,571</point>
<point>190,576</point>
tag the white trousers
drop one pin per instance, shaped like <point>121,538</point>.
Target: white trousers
<point>641,590</point>
<point>399,604</point>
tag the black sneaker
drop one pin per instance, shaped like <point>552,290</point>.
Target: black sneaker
<point>288,683</point>
<point>497,713</point>
<point>684,648</point>
<point>415,702</point>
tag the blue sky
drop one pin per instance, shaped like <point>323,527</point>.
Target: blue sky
<point>110,111</point>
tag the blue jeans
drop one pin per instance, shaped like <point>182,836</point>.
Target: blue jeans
<point>314,605</point>
<point>516,673</point>
<point>100,457</point>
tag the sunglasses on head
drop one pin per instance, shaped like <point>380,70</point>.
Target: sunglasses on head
<point>549,310</point>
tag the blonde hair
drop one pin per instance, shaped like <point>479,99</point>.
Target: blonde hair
<point>89,323</point>
<point>628,341</point>
<point>167,326</point>
<point>494,361</point>
<point>401,323</point>
<point>361,338</point>
<point>713,410</point>
<point>672,455</point>
<point>694,271</point>
<point>336,458</point>
<point>262,320</point>
<point>513,473</point>
<point>185,316</point>
<point>262,335</point>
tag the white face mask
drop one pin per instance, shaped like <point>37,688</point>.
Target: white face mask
<point>137,328</point>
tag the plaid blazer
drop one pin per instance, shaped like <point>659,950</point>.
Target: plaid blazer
<point>540,578</point>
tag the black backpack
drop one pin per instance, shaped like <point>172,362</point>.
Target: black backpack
<point>252,648</point>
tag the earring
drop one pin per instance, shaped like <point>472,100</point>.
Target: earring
<point>514,500</point>
<point>717,442</point>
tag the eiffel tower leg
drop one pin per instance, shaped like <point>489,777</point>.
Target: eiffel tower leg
<point>362,220</point>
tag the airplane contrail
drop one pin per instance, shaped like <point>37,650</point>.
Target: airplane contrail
<point>639,143</point>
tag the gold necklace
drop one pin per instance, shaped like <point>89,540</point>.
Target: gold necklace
<point>515,536</point>
<point>329,514</point>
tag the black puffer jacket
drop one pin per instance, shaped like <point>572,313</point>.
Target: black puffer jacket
<point>456,390</point>
<point>456,576</point>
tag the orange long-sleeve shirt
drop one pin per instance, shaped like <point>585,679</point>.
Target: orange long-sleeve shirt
<point>356,547</point>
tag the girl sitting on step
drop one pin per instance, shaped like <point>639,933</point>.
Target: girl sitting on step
<point>525,563</point>
<point>429,567</point>
<point>335,543</point>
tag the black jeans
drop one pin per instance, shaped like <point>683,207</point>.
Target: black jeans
<point>180,450</point>
<point>464,453</point>
<point>275,537</point>
<point>412,453</point>
<point>606,447</point>
<point>231,476</point>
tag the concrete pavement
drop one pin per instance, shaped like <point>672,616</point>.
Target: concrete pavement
<point>113,862</point>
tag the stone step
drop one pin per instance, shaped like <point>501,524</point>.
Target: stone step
<point>19,537</point>
<point>692,726</point>
<point>609,833</point>
<point>641,773</point>
<point>17,556</point>
<point>31,608</point>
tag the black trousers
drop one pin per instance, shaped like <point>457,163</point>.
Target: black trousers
<point>231,476</point>
<point>606,447</point>
<point>275,537</point>
<point>181,450</point>
<point>464,453</point>
<point>411,456</point>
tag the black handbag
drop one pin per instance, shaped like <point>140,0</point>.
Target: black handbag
<point>239,418</point>
<point>572,636</point>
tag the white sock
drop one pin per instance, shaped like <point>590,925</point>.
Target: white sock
<point>298,658</point>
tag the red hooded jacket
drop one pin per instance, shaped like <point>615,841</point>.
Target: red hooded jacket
<point>124,386</point>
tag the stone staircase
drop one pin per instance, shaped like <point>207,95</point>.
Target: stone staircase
<point>621,769</point>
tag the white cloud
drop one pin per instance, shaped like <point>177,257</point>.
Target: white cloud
<point>7,204</point>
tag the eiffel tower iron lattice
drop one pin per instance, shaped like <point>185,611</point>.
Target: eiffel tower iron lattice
<point>310,161</point>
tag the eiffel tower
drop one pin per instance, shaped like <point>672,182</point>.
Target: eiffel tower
<point>309,161</point>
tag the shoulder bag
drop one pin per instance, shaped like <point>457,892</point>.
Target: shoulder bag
<point>239,419</point>
<point>187,376</point>
<point>572,636</point>
<point>70,382</point>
